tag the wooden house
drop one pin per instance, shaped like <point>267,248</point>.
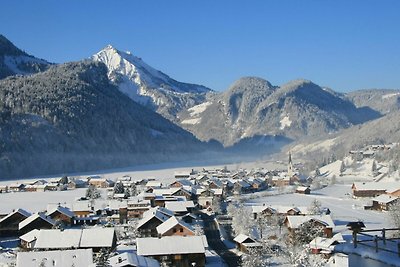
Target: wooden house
<point>324,221</point>
<point>36,221</point>
<point>383,202</point>
<point>303,190</point>
<point>179,251</point>
<point>174,227</point>
<point>61,214</point>
<point>9,224</point>
<point>151,219</point>
<point>244,243</point>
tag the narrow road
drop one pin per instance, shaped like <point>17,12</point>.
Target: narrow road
<point>214,240</point>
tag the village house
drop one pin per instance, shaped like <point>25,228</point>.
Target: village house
<point>3,188</point>
<point>16,187</point>
<point>28,240</point>
<point>383,202</point>
<point>89,238</point>
<point>131,259</point>
<point>9,224</point>
<point>244,243</point>
<point>279,210</point>
<point>182,192</point>
<point>101,182</point>
<point>180,208</point>
<point>374,189</point>
<point>181,183</point>
<point>76,183</point>
<point>174,227</point>
<point>303,190</point>
<point>36,221</point>
<point>136,207</point>
<point>180,251</point>
<point>61,214</point>
<point>324,221</point>
<point>151,219</point>
<point>326,246</point>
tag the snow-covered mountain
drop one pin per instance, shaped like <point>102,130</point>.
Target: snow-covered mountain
<point>148,86</point>
<point>71,118</point>
<point>382,100</point>
<point>254,107</point>
<point>14,61</point>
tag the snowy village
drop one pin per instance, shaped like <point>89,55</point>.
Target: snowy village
<point>334,216</point>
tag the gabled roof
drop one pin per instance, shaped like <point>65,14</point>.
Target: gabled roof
<point>34,217</point>
<point>97,237</point>
<point>296,221</point>
<point>302,188</point>
<point>132,259</point>
<point>66,211</point>
<point>153,184</point>
<point>153,213</point>
<point>389,186</point>
<point>326,243</point>
<point>58,239</point>
<point>20,211</point>
<point>170,223</point>
<point>385,199</point>
<point>30,236</point>
<point>169,245</point>
<point>183,182</point>
<point>179,206</point>
<point>242,237</point>
<point>75,238</point>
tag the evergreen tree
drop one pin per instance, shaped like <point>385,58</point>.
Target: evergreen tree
<point>119,188</point>
<point>342,168</point>
<point>92,192</point>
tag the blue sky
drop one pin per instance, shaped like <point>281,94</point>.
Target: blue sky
<point>344,45</point>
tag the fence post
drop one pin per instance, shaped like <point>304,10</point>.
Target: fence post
<point>376,243</point>
<point>355,239</point>
<point>384,236</point>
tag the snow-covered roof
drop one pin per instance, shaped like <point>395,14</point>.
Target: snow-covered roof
<point>280,209</point>
<point>168,245</point>
<point>183,182</point>
<point>148,215</point>
<point>33,217</point>
<point>389,186</point>
<point>66,211</point>
<point>57,258</point>
<point>170,223</point>
<point>20,211</point>
<point>165,191</point>
<point>325,243</point>
<point>58,239</point>
<point>241,238</point>
<point>97,237</point>
<point>153,184</point>
<point>179,206</point>
<point>29,237</point>
<point>385,199</point>
<point>296,221</point>
<point>132,259</point>
<point>302,188</point>
<point>75,238</point>
<point>81,206</point>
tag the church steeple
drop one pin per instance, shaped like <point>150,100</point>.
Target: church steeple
<point>290,165</point>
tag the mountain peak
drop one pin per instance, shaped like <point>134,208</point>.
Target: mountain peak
<point>8,48</point>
